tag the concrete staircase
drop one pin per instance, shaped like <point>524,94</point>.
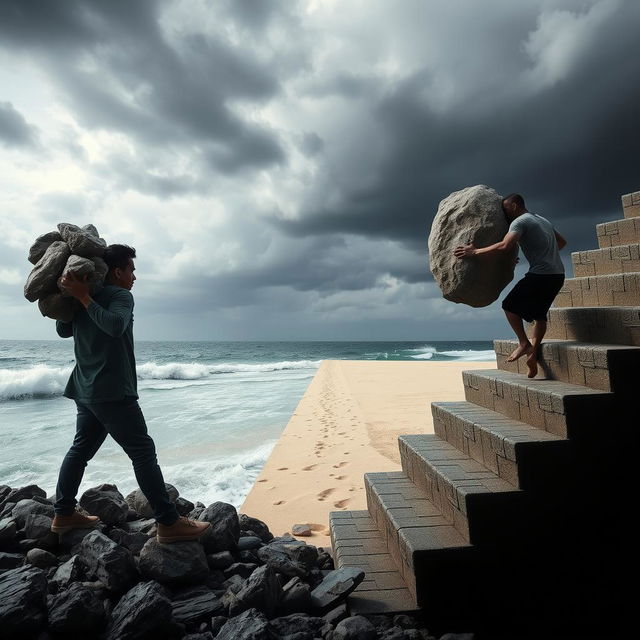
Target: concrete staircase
<point>510,519</point>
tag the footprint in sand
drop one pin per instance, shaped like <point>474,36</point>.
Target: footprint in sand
<point>341,433</point>
<point>279,502</point>
<point>264,480</point>
<point>340,464</point>
<point>341,503</point>
<point>310,467</point>
<point>323,494</point>
<point>339,477</point>
<point>283,468</point>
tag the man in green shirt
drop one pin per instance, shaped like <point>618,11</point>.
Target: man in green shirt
<point>103,384</point>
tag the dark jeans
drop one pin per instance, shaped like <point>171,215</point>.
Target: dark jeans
<point>123,420</point>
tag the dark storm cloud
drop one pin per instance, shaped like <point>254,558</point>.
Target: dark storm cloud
<point>15,131</point>
<point>157,93</point>
<point>571,147</point>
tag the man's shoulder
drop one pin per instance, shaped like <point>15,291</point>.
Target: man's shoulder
<point>111,292</point>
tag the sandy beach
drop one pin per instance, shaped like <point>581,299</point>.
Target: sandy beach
<point>346,424</point>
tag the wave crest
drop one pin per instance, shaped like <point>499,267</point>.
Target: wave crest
<point>40,380</point>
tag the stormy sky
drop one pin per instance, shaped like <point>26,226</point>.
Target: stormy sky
<point>277,164</point>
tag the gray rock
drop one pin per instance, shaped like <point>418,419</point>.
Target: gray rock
<point>337,614</point>
<point>173,564</point>
<point>405,621</point>
<point>38,527</point>
<point>23,602</point>
<point>242,569</point>
<point>197,510</point>
<point>393,633</point>
<point>470,215</point>
<point>66,229</point>
<point>85,245</point>
<point>132,541</point>
<point>139,503</point>
<point>247,523</point>
<point>262,591</point>
<point>304,627</point>
<point>324,560</point>
<point>10,560</point>
<point>71,540</point>
<point>143,612</point>
<point>58,307</point>
<point>457,636</point>
<point>336,586</point>
<point>8,528</point>
<point>354,628</point>
<point>184,506</point>
<point>96,278</point>
<point>194,605</point>
<point>44,276</point>
<point>299,551</point>
<point>28,506</point>
<point>301,530</point>
<point>108,562</point>
<point>106,502</point>
<point>15,495</point>
<point>296,597</point>
<point>144,526</point>
<point>76,610</point>
<point>70,571</point>
<point>277,557</point>
<point>249,625</point>
<point>26,544</point>
<point>246,543</point>
<point>220,560</point>
<point>42,243</point>
<point>80,266</point>
<point>41,558</point>
<point>90,230</point>
<point>224,532</point>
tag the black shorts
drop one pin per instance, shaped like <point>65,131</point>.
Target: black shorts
<point>533,295</point>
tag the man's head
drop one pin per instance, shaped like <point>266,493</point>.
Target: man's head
<point>513,206</point>
<point>119,259</point>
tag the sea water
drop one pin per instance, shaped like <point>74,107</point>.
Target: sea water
<point>214,409</point>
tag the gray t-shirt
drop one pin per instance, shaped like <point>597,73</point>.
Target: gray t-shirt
<point>536,237</point>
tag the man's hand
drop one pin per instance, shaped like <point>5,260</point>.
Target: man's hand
<point>76,287</point>
<point>465,250</point>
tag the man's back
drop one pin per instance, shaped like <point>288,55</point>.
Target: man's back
<point>536,237</point>
<point>105,367</point>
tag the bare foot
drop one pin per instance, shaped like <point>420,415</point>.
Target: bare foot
<point>532,365</point>
<point>521,350</point>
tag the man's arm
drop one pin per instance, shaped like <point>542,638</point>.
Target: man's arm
<point>506,245</point>
<point>64,329</point>
<point>562,243</point>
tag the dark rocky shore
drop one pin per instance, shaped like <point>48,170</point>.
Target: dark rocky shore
<point>116,581</point>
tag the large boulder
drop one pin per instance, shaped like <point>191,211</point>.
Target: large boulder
<point>139,503</point>
<point>224,532</point>
<point>107,561</point>
<point>106,502</point>
<point>470,215</point>
<point>23,601</point>
<point>44,276</point>
<point>86,245</point>
<point>76,610</point>
<point>179,563</point>
<point>58,307</point>
<point>28,506</point>
<point>42,243</point>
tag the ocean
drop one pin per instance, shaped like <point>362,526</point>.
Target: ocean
<point>214,409</point>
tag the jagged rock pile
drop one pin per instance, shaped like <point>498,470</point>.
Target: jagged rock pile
<point>116,582</point>
<point>470,215</point>
<point>70,248</point>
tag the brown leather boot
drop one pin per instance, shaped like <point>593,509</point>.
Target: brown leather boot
<point>182,529</point>
<point>77,520</point>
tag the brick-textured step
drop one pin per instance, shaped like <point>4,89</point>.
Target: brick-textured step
<point>527,457</point>
<point>618,290</point>
<point>623,258</point>
<point>608,367</point>
<point>484,508</point>
<point>416,534</point>
<point>608,325</point>
<point>357,542</point>
<point>567,410</point>
<point>618,232</point>
<point>631,205</point>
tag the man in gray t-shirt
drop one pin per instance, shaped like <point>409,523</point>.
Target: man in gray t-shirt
<point>532,296</point>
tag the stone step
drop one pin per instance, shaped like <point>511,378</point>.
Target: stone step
<point>484,508</point>
<point>566,410</point>
<point>624,258</point>
<point>621,290</point>
<point>526,457</point>
<point>618,232</point>
<point>607,325</point>
<point>608,367</point>
<point>356,542</point>
<point>419,539</point>
<point>631,205</point>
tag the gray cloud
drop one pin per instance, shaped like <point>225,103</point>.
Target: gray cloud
<point>15,131</point>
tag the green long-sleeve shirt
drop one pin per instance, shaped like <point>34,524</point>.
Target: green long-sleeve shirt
<point>105,368</point>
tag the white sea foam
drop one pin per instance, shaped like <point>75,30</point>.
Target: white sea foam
<point>424,353</point>
<point>196,371</point>
<point>40,380</point>
<point>470,355</point>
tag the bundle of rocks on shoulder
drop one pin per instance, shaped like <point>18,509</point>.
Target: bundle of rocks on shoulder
<point>472,215</point>
<point>70,248</point>
<point>117,582</point>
